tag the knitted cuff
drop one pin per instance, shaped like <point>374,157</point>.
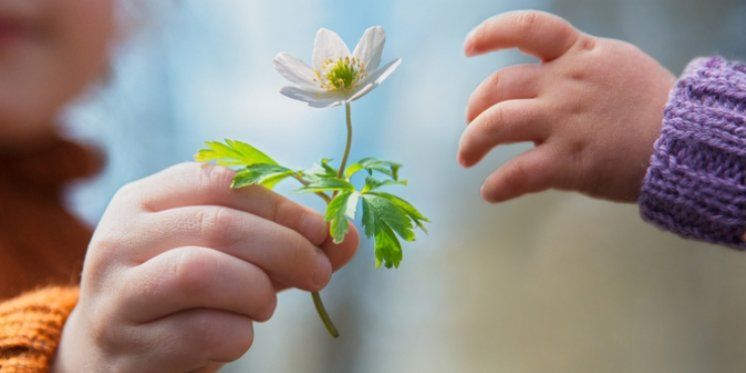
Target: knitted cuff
<point>696,183</point>
<point>31,328</point>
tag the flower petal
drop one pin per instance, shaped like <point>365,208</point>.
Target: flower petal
<point>375,79</point>
<point>312,98</point>
<point>370,47</point>
<point>328,46</point>
<point>296,71</point>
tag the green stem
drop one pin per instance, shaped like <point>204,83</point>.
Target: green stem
<point>320,309</point>
<point>305,182</point>
<point>348,117</point>
<point>324,315</point>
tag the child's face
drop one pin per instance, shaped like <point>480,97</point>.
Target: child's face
<point>49,51</point>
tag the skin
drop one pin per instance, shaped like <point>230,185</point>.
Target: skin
<point>593,107</point>
<point>180,266</point>
<point>49,51</point>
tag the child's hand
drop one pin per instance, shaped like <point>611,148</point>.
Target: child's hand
<point>181,265</point>
<point>593,107</point>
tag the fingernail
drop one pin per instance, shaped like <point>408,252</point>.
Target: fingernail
<point>313,227</point>
<point>471,32</point>
<point>469,46</point>
<point>323,271</point>
<point>461,160</point>
<point>485,196</point>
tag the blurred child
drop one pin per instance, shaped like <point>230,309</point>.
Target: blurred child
<point>180,265</point>
<point>609,121</point>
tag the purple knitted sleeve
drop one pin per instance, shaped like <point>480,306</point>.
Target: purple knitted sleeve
<point>696,183</point>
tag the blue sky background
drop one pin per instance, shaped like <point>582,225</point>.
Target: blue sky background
<point>547,283</point>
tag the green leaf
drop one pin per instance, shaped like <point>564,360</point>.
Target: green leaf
<point>387,217</point>
<point>372,164</point>
<point>385,211</point>
<point>384,221</point>
<point>339,210</point>
<point>414,214</point>
<point>264,174</point>
<point>320,171</point>
<point>387,248</point>
<point>328,169</point>
<point>327,184</point>
<point>232,153</point>
<point>372,183</point>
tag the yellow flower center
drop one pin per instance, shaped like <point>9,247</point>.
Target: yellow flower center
<point>341,75</point>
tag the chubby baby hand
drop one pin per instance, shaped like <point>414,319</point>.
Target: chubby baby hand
<point>592,106</point>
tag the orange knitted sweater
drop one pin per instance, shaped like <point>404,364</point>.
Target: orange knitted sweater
<point>41,250</point>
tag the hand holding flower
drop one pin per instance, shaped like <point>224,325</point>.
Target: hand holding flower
<point>337,77</point>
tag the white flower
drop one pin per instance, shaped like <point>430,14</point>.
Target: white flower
<point>337,77</point>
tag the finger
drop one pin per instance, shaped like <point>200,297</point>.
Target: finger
<point>195,277</point>
<point>194,339</point>
<point>515,82</point>
<point>537,33</point>
<point>283,253</point>
<point>506,122</point>
<point>533,171</point>
<point>189,184</point>
<point>339,254</point>
<point>209,368</point>
<point>744,237</point>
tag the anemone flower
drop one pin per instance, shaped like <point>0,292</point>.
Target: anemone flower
<point>337,76</point>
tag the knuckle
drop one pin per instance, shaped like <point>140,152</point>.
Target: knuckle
<point>526,20</point>
<point>103,255</point>
<point>586,42</point>
<point>185,169</point>
<point>482,96</point>
<point>95,268</point>
<point>213,223</point>
<point>483,31</point>
<point>268,301</point>
<point>100,328</point>
<point>515,176</point>
<point>275,208</point>
<point>126,190</point>
<point>220,337</point>
<point>497,120</point>
<point>192,270</point>
<point>214,177</point>
<point>495,78</point>
<point>238,345</point>
<point>128,195</point>
<point>201,334</point>
<point>301,258</point>
<point>567,34</point>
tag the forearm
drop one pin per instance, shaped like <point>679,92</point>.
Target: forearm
<point>31,326</point>
<point>696,183</point>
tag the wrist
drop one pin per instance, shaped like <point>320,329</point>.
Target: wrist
<point>62,362</point>
<point>73,353</point>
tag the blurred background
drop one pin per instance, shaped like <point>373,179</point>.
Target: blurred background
<point>549,283</point>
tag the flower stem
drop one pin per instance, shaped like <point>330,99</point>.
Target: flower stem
<point>305,182</point>
<point>348,117</point>
<point>324,315</point>
<point>320,309</point>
